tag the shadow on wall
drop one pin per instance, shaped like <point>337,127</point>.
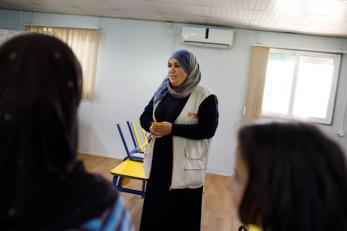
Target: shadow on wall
<point>88,138</point>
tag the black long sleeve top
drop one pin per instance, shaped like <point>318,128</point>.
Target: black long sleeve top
<point>207,117</point>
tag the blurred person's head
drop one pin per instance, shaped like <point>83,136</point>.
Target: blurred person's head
<point>290,176</point>
<point>43,185</point>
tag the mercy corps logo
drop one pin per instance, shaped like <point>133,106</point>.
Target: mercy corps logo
<point>193,115</point>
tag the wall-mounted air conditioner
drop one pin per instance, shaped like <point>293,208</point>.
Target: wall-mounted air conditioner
<point>207,37</point>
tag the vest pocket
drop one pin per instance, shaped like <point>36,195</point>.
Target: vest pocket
<point>194,150</point>
<point>195,162</point>
<point>194,172</point>
<point>192,164</point>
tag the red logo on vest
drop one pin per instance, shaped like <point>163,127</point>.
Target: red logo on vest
<point>193,115</point>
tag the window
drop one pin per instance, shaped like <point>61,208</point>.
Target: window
<point>300,85</point>
<point>84,43</point>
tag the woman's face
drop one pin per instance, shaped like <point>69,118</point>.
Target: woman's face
<point>176,73</point>
<point>240,178</point>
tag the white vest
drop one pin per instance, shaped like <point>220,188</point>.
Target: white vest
<point>189,155</point>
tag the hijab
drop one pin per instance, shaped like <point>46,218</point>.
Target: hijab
<point>43,185</point>
<point>191,68</point>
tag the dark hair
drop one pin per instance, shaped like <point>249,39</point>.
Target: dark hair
<point>297,178</point>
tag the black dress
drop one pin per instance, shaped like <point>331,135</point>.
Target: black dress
<point>175,209</point>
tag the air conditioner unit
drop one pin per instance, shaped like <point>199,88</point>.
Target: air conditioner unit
<point>207,37</point>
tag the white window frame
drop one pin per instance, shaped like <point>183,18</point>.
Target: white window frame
<point>333,89</point>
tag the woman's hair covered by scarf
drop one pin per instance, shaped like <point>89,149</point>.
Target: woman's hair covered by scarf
<point>192,69</point>
<point>43,185</point>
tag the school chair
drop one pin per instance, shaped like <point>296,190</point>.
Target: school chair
<point>136,148</point>
<point>140,147</point>
<point>129,169</point>
<point>133,154</point>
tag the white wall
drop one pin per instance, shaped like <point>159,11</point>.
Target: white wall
<point>132,62</point>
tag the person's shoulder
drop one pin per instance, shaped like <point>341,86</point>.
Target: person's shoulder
<point>114,218</point>
<point>204,90</point>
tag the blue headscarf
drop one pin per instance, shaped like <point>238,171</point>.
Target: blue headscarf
<point>191,67</point>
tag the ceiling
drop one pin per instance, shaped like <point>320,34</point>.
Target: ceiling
<point>319,17</point>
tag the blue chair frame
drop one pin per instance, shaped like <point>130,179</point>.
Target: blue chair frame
<point>134,154</point>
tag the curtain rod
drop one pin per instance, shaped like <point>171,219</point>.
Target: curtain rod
<point>90,28</point>
<point>300,48</point>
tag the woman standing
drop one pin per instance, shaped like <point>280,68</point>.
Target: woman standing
<point>176,158</point>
